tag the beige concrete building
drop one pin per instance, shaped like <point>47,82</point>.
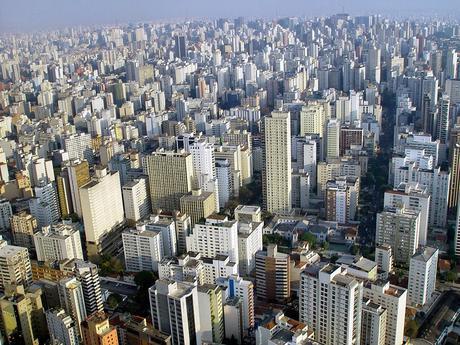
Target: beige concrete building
<point>170,177</point>
<point>198,205</point>
<point>276,174</point>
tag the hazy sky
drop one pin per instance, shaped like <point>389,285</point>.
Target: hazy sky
<point>26,15</point>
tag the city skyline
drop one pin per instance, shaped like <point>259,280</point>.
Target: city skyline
<point>45,15</point>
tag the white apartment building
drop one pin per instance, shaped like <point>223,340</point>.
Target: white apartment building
<point>136,199</point>
<point>45,206</point>
<point>102,205</point>
<point>71,298</point>
<point>216,267</point>
<point>175,311</point>
<point>143,249</point>
<point>249,243</point>
<point>236,286</point>
<point>330,301</point>
<point>166,226</point>
<point>58,242</point>
<point>78,146</point>
<point>393,299</point>
<point>373,323</point>
<point>15,265</point>
<point>62,328</point>
<point>217,236</point>
<point>413,197</point>
<point>422,276</point>
<point>399,228</point>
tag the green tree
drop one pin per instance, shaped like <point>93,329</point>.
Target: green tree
<point>144,279</point>
<point>310,238</point>
<point>451,276</point>
<point>114,300</point>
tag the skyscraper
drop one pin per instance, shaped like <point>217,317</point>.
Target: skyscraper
<point>180,48</point>
<point>276,174</point>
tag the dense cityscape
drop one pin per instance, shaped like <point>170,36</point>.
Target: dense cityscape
<point>293,181</point>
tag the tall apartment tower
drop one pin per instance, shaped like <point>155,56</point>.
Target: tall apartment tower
<point>62,329</point>
<point>457,232</point>
<point>400,228</point>
<point>342,199</point>
<point>273,274</point>
<point>332,139</point>
<point>136,199</point>
<point>454,189</point>
<point>217,235</point>
<point>443,119</point>
<point>23,227</point>
<point>414,197</point>
<point>175,311</point>
<point>170,177</point>
<point>102,207</point>
<point>71,298</point>
<point>87,274</point>
<point>96,330</point>
<point>330,302</point>
<point>276,173</point>
<point>422,276</point>
<point>393,299</point>
<point>45,205</point>
<point>15,268</point>
<point>204,166</point>
<point>78,172</point>
<point>373,323</point>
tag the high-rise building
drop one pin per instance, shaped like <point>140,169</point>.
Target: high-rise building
<point>71,298</point>
<point>45,206</point>
<point>413,197</point>
<point>342,199</point>
<point>454,188</point>
<point>78,172</point>
<point>237,287</point>
<point>102,207</point>
<point>384,258</point>
<point>422,276</point>
<point>217,235</point>
<point>204,167</point>
<point>136,199</point>
<point>332,139</point>
<point>170,178</point>
<point>175,311</point>
<point>15,266</point>
<point>62,328</point>
<point>210,301</point>
<point>87,274</point>
<point>166,227</point>
<point>399,228</point>
<point>373,323</point>
<point>180,47</point>
<point>276,174</point>
<point>249,243</point>
<point>78,146</point>
<point>349,137</point>
<point>457,232</point>
<point>143,249</point>
<point>22,316</point>
<point>5,214</point>
<point>224,181</point>
<point>273,274</point>
<point>23,227</point>
<point>443,119</point>
<point>393,299</point>
<point>330,301</point>
<point>198,205</point>
<point>96,330</point>
<point>58,242</point>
